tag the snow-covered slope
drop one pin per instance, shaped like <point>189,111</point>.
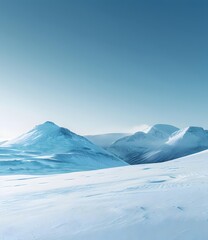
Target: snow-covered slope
<point>105,140</point>
<point>163,201</point>
<point>49,138</point>
<point>49,148</point>
<point>134,148</point>
<point>189,137</point>
<point>186,141</point>
<point>160,143</point>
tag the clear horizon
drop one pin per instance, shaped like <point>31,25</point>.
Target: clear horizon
<point>103,66</point>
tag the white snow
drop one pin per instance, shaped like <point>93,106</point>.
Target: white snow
<point>162,201</point>
<point>49,148</point>
<point>49,137</point>
<point>191,136</point>
<point>160,143</point>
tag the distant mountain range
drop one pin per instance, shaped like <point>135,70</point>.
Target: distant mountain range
<point>48,148</point>
<point>160,143</point>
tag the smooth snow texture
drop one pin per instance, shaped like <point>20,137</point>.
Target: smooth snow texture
<point>160,143</point>
<point>49,148</point>
<point>154,201</point>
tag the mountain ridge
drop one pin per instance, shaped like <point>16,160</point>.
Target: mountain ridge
<point>160,143</point>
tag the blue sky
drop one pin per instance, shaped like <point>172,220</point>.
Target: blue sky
<point>98,66</point>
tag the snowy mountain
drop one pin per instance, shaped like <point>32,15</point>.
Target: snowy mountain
<point>160,143</point>
<point>48,138</point>
<point>186,141</point>
<point>162,201</point>
<point>49,148</point>
<point>105,140</point>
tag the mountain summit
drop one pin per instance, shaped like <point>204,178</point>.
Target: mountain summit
<point>49,137</point>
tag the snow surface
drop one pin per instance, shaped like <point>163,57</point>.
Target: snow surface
<point>49,148</point>
<point>160,143</point>
<point>163,201</point>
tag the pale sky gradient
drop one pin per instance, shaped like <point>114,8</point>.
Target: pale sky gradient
<point>103,66</point>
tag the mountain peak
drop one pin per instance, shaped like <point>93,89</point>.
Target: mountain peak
<point>47,125</point>
<point>189,130</point>
<point>47,135</point>
<point>193,129</point>
<point>166,128</point>
<point>51,129</point>
<point>189,136</point>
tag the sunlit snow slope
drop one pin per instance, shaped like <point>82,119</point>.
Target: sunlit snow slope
<point>163,201</point>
